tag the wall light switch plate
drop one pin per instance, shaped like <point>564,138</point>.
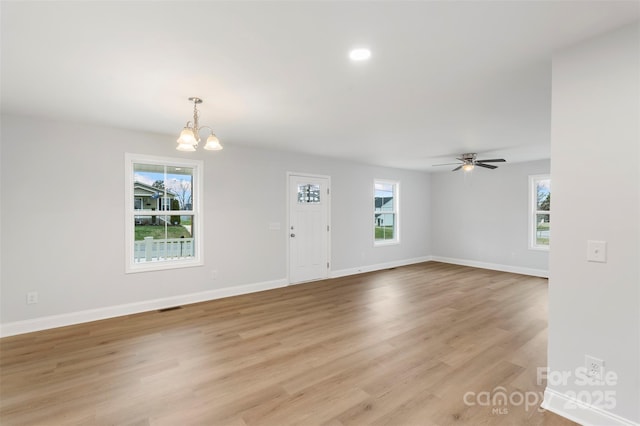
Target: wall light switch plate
<point>597,251</point>
<point>32,297</point>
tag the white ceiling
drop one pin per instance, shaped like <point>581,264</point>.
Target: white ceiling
<point>444,77</point>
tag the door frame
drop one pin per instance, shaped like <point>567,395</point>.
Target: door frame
<point>288,226</point>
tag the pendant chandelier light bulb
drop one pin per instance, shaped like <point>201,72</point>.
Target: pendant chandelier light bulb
<point>213,144</point>
<point>190,134</point>
<point>187,137</point>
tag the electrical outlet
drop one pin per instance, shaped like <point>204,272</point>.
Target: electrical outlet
<point>214,274</point>
<point>595,367</point>
<point>597,251</point>
<point>32,297</point>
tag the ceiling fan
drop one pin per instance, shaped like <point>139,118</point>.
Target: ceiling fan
<point>469,161</point>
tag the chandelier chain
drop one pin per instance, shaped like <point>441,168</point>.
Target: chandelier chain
<point>196,125</point>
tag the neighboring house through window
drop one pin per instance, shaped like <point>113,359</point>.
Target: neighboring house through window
<point>162,200</point>
<point>385,212</point>
<point>539,212</point>
<point>149,197</point>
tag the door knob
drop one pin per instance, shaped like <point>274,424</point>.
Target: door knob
<point>293,235</point>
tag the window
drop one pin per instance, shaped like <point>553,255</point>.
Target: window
<point>165,203</point>
<point>162,217</point>
<point>308,194</point>
<point>385,212</point>
<point>539,212</point>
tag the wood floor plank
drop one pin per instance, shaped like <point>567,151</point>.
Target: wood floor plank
<point>395,347</point>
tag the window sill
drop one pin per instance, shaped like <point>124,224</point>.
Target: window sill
<point>385,243</point>
<point>539,248</point>
<point>162,266</point>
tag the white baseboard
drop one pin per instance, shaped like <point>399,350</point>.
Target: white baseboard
<point>72,318</point>
<point>378,267</point>
<point>494,266</point>
<point>53,321</point>
<point>580,412</point>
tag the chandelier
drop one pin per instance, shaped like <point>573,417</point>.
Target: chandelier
<point>190,135</point>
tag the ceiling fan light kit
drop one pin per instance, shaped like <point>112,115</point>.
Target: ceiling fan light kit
<point>190,136</point>
<point>469,161</point>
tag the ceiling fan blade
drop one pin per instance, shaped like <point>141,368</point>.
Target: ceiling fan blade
<point>494,160</point>
<point>445,164</point>
<point>457,168</point>
<point>487,166</point>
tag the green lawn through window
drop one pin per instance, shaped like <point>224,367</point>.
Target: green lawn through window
<point>158,232</point>
<point>384,232</point>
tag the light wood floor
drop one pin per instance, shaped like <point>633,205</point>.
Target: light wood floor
<point>397,347</point>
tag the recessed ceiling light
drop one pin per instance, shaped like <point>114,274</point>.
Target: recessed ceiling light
<point>360,54</point>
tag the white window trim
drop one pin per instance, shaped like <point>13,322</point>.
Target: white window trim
<point>396,211</point>
<point>195,212</point>
<point>532,225</point>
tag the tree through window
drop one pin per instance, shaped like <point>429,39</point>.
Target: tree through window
<point>539,212</point>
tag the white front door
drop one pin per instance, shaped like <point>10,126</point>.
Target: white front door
<point>308,228</point>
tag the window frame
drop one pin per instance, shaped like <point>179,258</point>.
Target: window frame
<point>164,204</point>
<point>533,211</point>
<point>195,212</point>
<point>396,212</point>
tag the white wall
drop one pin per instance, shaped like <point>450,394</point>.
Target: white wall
<point>480,218</point>
<point>63,231</point>
<point>594,307</point>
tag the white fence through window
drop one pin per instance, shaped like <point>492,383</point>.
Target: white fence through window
<point>150,249</point>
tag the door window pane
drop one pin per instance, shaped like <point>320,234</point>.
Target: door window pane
<point>308,193</point>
